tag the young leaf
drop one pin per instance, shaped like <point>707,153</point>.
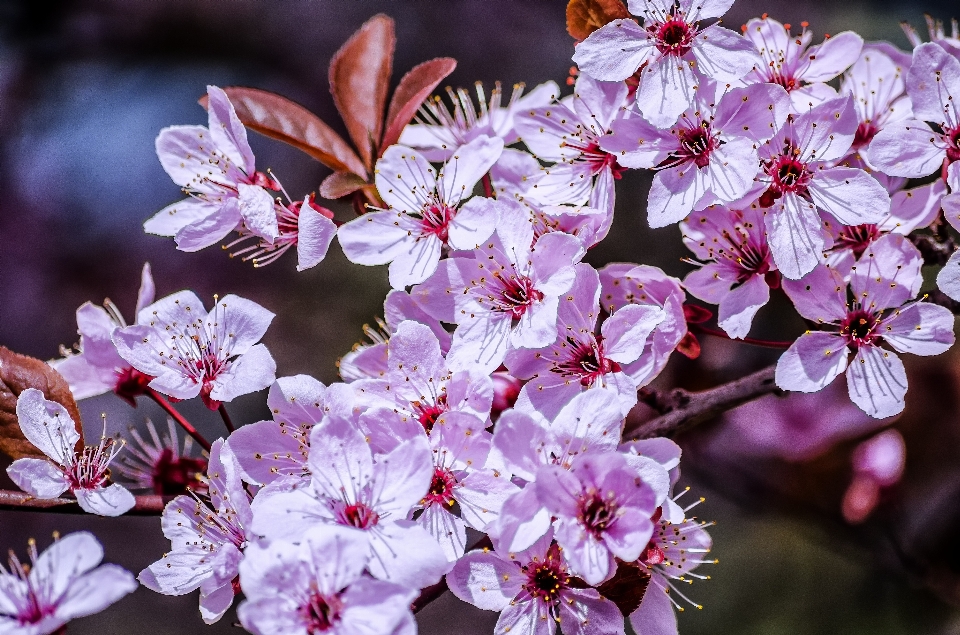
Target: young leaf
<point>279,118</point>
<point>415,87</point>
<point>627,587</point>
<point>340,184</point>
<point>17,373</point>
<point>586,16</point>
<point>359,80</point>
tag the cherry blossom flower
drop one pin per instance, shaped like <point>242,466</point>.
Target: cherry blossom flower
<point>58,585</point>
<point>48,426</point>
<point>799,180</point>
<point>534,592</point>
<point>207,538</point>
<point>442,131</point>
<point>580,359</point>
<point>738,269</point>
<point>425,211</point>
<point>948,279</point>
<point>708,156</point>
<point>673,54</point>
<point>318,586</point>
<point>909,148</point>
<point>351,487</point>
<point>215,166</point>
<point>883,282</point>
<point>937,34</point>
<point>622,284</point>
<point>505,295</point>
<point>418,383</point>
<point>790,61</point>
<point>159,465</point>
<point>190,352</point>
<point>97,368</point>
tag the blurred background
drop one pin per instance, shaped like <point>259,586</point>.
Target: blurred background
<point>809,540</point>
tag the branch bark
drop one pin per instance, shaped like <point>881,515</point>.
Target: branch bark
<point>682,410</point>
<point>150,505</point>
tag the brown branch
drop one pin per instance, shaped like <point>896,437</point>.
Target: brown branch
<point>681,410</point>
<point>149,505</point>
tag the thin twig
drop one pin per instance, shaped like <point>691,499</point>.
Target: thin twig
<point>149,505</point>
<point>170,410</point>
<point>226,418</point>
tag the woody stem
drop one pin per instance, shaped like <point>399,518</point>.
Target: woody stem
<point>226,418</point>
<point>186,425</point>
<point>706,330</point>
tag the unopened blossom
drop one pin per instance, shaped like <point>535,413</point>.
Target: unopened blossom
<point>568,134</point>
<point>738,269</point>
<point>799,179</point>
<point>504,295</point>
<point>159,464</point>
<point>790,61</point>
<point>708,156</point>
<point>534,591</point>
<point>58,585</point>
<point>349,486</point>
<point>622,284</point>
<point>97,368</point>
<point>191,352</point>
<point>881,310</point>
<point>207,536</point>
<point>215,166</point>
<point>443,130</point>
<point>910,148</point>
<point>426,211</point>
<point>673,54</point>
<point>580,358</point>
<point>86,474</point>
<point>878,463</point>
<point>318,586</point>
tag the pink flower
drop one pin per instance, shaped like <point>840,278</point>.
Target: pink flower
<point>190,352</point>
<point>708,156</point>
<point>883,283</point>
<point>98,368</point>
<point>799,180</point>
<point>207,539</point>
<point>672,53</point>
<point>505,295</point>
<point>425,211</point>
<point>790,61</point>
<point>215,166</point>
<point>61,584</point>
<point>878,463</point>
<point>159,464</point>
<point>580,359</point>
<point>948,279</point>
<point>318,586</point>
<point>534,592</point>
<point>48,426</point>
<point>738,268</point>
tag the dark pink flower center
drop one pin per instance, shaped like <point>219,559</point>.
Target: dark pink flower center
<point>428,413</point>
<point>857,237</point>
<point>747,258</point>
<point>596,513</point>
<point>859,328</point>
<point>516,295</point>
<point>953,148</point>
<point>173,474</point>
<point>131,383</point>
<point>321,612</point>
<point>585,361</point>
<point>866,131</point>
<point>441,488</point>
<point>788,174</point>
<point>674,36</point>
<point>548,578</point>
<point>356,515</point>
<point>436,220</point>
<point>696,144</point>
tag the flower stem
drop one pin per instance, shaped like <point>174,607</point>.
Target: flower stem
<point>226,418</point>
<point>746,340</point>
<point>170,410</point>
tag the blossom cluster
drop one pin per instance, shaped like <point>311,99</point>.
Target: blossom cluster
<point>492,402</point>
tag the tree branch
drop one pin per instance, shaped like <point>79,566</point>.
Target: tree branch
<point>150,505</point>
<point>681,410</point>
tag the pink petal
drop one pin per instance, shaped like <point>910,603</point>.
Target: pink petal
<point>877,382</point>
<point>812,362</point>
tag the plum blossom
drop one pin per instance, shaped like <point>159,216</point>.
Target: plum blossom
<point>738,269</point>
<point>374,495</point>
<point>215,166</point>
<point>97,368</point>
<point>799,180</point>
<point>426,211</point>
<point>883,283</point>
<point>207,537</point>
<point>622,284</point>
<point>160,465</point>
<point>534,591</point>
<point>191,352</point>
<point>708,156</point>
<point>48,426</point>
<point>580,358</point>
<point>418,383</point>
<point>950,43</point>
<point>442,131</point>
<point>58,585</point>
<point>672,53</point>
<point>790,61</point>
<point>504,295</point>
<point>318,586</point>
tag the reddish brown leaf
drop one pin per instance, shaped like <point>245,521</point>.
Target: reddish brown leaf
<point>689,346</point>
<point>412,90</point>
<point>340,184</point>
<point>359,80</point>
<point>17,373</point>
<point>279,118</point>
<point>627,587</point>
<point>586,16</point>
